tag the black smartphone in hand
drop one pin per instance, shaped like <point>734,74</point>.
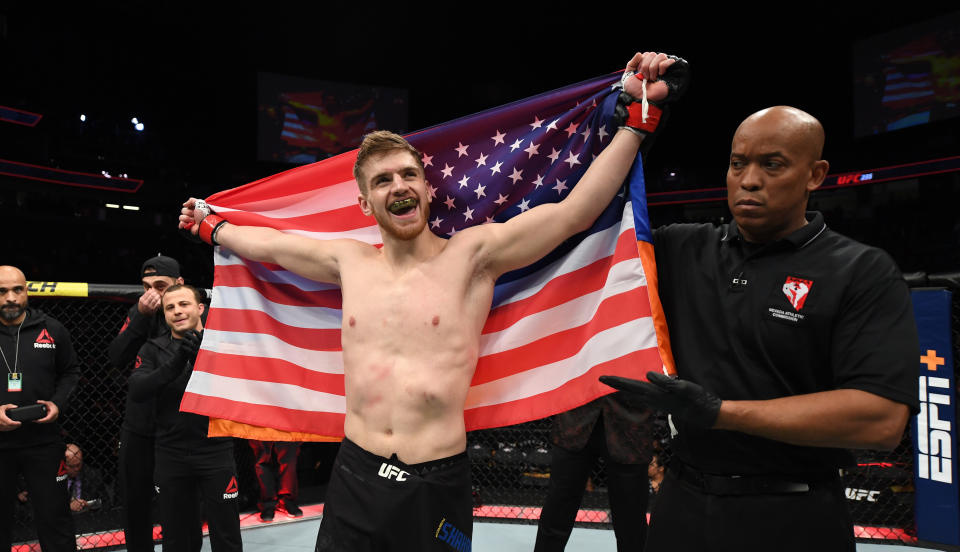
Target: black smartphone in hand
<point>27,413</point>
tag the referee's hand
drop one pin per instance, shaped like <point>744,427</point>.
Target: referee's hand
<point>685,400</point>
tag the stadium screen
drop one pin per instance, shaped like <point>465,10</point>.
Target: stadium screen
<point>305,120</point>
<point>907,77</point>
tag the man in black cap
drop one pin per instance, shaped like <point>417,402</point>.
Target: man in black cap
<point>144,321</point>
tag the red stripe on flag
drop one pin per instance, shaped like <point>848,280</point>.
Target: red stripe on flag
<point>563,288</point>
<point>335,220</point>
<point>271,370</point>
<point>284,294</point>
<point>564,344</point>
<point>274,189</point>
<point>286,419</point>
<point>252,321</point>
<point>571,394</point>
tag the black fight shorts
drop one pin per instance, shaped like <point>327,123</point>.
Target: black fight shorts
<point>377,504</point>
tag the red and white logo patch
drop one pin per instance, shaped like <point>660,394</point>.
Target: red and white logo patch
<point>62,472</point>
<point>44,341</point>
<point>231,491</point>
<point>796,290</point>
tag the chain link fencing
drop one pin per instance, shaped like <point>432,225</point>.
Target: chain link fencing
<point>510,465</point>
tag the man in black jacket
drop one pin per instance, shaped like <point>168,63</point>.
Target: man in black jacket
<point>42,369</point>
<point>143,322</point>
<point>190,466</point>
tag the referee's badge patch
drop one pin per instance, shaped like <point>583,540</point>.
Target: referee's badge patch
<point>796,290</point>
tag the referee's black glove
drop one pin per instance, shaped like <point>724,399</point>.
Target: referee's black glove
<point>685,400</point>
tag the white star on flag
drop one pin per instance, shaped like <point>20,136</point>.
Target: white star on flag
<point>554,155</point>
<point>461,150</point>
<point>463,181</point>
<point>515,176</point>
<point>447,170</point>
<point>571,130</point>
<point>572,159</point>
<point>468,214</point>
<point>537,123</point>
<point>515,145</point>
<point>496,168</point>
<point>524,205</point>
<point>498,138</point>
<point>480,191</point>
<point>435,223</point>
<point>561,186</point>
<point>532,150</point>
<point>427,160</point>
<point>449,202</point>
<point>482,160</point>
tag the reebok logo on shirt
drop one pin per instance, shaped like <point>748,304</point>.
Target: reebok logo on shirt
<point>44,341</point>
<point>231,490</point>
<point>62,470</point>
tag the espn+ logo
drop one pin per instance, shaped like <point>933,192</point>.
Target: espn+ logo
<point>934,434</point>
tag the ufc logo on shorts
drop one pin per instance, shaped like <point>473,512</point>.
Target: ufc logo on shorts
<point>392,472</point>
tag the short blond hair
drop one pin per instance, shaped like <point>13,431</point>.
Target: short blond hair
<point>377,143</point>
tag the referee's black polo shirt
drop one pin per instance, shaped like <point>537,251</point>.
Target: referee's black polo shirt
<point>814,311</point>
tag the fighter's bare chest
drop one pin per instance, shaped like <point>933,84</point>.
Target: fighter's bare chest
<point>422,298</point>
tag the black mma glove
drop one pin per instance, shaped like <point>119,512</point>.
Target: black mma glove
<point>685,400</point>
<point>190,345</point>
<point>629,110</point>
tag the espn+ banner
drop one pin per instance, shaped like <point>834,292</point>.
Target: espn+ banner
<point>937,507</point>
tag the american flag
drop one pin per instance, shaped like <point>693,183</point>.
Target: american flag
<point>271,349</point>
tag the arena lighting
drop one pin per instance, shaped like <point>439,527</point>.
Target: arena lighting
<point>134,120</point>
<point>131,207</point>
<point>139,127</point>
<point>112,206</point>
<point>83,117</point>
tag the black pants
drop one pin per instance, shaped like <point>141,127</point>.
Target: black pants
<point>136,488</point>
<point>686,519</point>
<point>627,486</point>
<point>381,504</point>
<point>41,468</point>
<point>285,474</point>
<point>183,488</point>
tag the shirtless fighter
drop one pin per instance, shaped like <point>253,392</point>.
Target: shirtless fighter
<point>410,337</point>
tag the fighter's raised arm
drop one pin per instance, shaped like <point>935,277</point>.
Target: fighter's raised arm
<point>529,236</point>
<point>315,259</point>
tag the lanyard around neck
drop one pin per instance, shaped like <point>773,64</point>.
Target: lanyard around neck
<point>16,351</point>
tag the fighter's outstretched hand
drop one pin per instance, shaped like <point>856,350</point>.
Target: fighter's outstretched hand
<point>641,109</point>
<point>197,220</point>
<point>649,66</point>
<point>189,220</point>
<point>685,400</point>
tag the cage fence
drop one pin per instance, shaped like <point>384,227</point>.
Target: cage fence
<point>510,465</point>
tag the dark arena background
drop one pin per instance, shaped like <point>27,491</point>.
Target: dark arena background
<point>112,114</point>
